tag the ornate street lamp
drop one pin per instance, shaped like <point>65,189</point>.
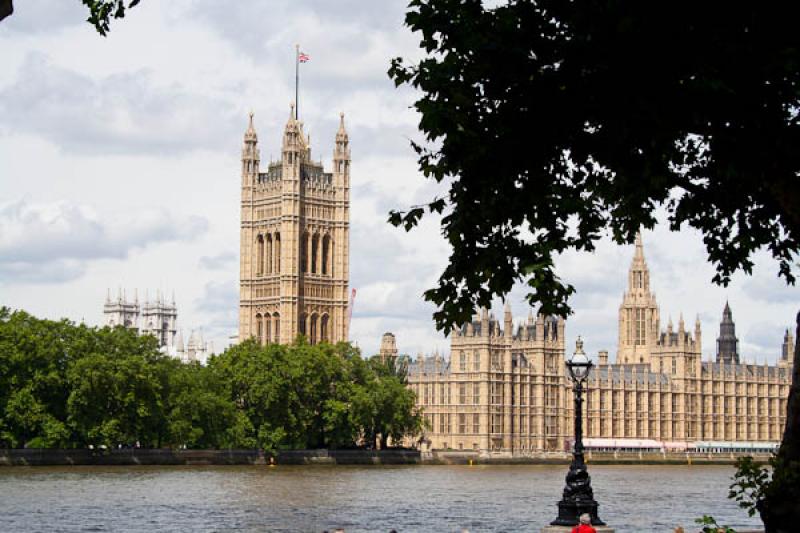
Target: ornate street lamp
<point>578,497</point>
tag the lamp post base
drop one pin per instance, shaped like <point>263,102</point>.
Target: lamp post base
<point>568,529</point>
<point>570,510</point>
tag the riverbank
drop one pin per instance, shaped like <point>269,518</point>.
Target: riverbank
<point>141,456</point>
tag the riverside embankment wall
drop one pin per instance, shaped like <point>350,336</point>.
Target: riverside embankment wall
<point>51,457</point>
<point>142,456</point>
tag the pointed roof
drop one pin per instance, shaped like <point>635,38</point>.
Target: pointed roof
<point>727,315</point>
<point>250,133</point>
<point>341,131</point>
<point>638,262</point>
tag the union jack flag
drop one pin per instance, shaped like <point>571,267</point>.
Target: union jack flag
<point>302,57</point>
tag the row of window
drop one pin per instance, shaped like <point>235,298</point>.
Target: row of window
<point>314,326</point>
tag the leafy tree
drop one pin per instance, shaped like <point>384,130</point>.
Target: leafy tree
<point>198,412</point>
<point>33,391</point>
<point>101,12</point>
<point>116,392</point>
<point>551,123</point>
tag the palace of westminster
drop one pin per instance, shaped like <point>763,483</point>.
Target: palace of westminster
<point>504,387</point>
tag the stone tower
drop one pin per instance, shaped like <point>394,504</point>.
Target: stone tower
<point>294,240</point>
<point>727,343</point>
<point>638,313</point>
<point>159,318</point>
<point>388,350</point>
<point>787,350</point>
<point>121,312</point>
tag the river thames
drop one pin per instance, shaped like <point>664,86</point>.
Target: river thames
<point>406,498</point>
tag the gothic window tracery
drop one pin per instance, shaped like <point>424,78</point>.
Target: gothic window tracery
<point>277,252</point>
<point>323,329</point>
<point>260,254</point>
<point>314,253</point>
<point>313,329</point>
<point>326,249</point>
<point>268,260</point>
<point>304,253</point>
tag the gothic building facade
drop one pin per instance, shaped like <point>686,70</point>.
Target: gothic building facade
<point>157,317</point>
<point>505,388</point>
<point>294,240</point>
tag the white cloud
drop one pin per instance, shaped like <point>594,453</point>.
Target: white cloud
<point>119,144</point>
<point>53,242</point>
<point>119,113</point>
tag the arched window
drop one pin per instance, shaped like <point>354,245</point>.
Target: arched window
<point>330,255</point>
<point>323,329</point>
<point>313,329</point>
<point>267,329</point>
<point>301,325</point>
<point>268,259</point>
<point>259,330</point>
<point>260,255</point>
<point>326,250</point>
<point>276,324</point>
<point>314,253</point>
<point>277,253</point>
<point>304,253</point>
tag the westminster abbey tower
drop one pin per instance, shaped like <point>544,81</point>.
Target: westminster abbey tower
<point>294,264</point>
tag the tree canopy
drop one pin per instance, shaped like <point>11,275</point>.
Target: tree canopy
<point>552,123</point>
<point>63,385</point>
<point>101,12</point>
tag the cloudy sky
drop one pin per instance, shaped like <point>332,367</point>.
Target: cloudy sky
<point>119,168</point>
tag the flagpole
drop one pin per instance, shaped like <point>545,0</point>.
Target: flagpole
<point>296,80</point>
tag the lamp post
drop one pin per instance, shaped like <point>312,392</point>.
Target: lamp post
<point>578,497</point>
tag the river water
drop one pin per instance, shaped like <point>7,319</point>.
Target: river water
<point>406,498</point>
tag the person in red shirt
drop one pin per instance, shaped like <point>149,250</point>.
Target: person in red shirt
<point>585,525</point>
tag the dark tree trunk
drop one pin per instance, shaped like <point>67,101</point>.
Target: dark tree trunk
<point>780,510</point>
<point>6,8</point>
<point>384,441</point>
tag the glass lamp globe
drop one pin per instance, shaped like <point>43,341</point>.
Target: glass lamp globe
<point>579,365</point>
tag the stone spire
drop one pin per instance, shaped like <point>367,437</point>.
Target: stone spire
<point>250,134</point>
<point>638,312</point>
<point>250,155</point>
<point>508,326</point>
<point>727,343</point>
<point>787,350</point>
<point>638,274</point>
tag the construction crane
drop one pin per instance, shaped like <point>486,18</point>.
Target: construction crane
<point>350,311</point>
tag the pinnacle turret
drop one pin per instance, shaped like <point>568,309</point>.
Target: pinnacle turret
<point>727,342</point>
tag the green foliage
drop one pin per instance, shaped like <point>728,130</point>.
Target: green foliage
<point>750,483</point>
<point>551,123</point>
<point>102,11</point>
<point>772,492</point>
<point>303,396</point>
<point>63,385</point>
<point>710,525</point>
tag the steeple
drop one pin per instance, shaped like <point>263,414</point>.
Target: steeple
<point>787,350</point>
<point>295,146</point>
<point>341,155</point>
<point>727,343</point>
<point>250,155</point>
<point>638,274</point>
<point>638,312</point>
